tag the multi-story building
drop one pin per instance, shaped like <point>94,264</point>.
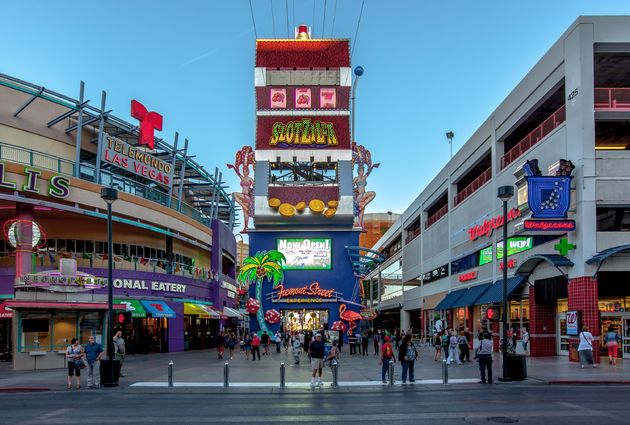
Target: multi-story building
<point>574,105</point>
<point>173,247</point>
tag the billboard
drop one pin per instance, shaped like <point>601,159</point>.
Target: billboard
<point>306,253</point>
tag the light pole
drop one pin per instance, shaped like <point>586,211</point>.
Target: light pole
<point>449,136</point>
<point>110,195</point>
<point>505,193</point>
<point>358,71</point>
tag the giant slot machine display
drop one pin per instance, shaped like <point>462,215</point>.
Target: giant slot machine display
<point>299,189</point>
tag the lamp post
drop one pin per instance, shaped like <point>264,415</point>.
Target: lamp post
<point>110,195</point>
<point>358,71</point>
<point>449,136</point>
<point>505,193</point>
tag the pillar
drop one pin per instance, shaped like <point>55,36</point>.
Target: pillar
<point>24,239</point>
<point>405,320</point>
<point>583,297</point>
<point>496,335</point>
<point>542,327</point>
<point>176,329</point>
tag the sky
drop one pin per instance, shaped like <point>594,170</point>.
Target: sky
<point>430,67</point>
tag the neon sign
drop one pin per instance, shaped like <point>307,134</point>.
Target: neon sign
<point>549,225</point>
<point>137,161</point>
<point>468,276</point>
<point>59,186</point>
<point>489,226</point>
<point>511,263</point>
<point>304,132</point>
<point>149,122</point>
<point>312,290</point>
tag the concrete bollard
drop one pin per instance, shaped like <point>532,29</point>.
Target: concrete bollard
<point>391,373</point>
<point>226,375</point>
<point>282,375</point>
<point>170,373</point>
<point>335,376</point>
<point>444,372</point>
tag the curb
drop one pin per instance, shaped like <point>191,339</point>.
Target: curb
<point>23,389</point>
<point>578,382</point>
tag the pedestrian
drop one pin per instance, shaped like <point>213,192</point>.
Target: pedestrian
<point>255,346</point>
<point>74,357</point>
<point>387,357</point>
<point>286,338</point>
<point>307,341</point>
<point>397,336</point>
<point>452,349</point>
<point>231,343</point>
<point>359,341</point>
<point>484,353</point>
<point>247,345</point>
<point>468,342</point>
<point>352,342</point>
<point>407,355</point>
<point>585,349</point>
<point>333,357</point>
<point>437,344</point>
<point>464,351</point>
<point>119,351</point>
<point>444,341</point>
<point>219,342</point>
<point>297,347</point>
<point>93,353</point>
<point>525,341</point>
<point>316,353</point>
<point>277,338</point>
<point>365,341</point>
<point>265,339</point>
<point>375,339</point>
<point>612,340</point>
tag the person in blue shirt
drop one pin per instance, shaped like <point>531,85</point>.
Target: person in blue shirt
<point>93,353</point>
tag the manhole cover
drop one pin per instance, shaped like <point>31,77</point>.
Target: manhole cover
<point>502,419</point>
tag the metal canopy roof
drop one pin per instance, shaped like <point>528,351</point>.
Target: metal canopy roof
<point>494,294</point>
<point>471,295</point>
<point>600,257</point>
<point>529,265</point>
<point>450,299</point>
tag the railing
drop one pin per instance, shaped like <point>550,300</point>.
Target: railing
<point>473,186</point>
<point>534,137</point>
<point>436,216</point>
<point>88,172</point>
<point>412,234</point>
<point>612,98</point>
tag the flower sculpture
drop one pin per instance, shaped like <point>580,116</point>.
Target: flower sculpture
<point>263,265</point>
<point>272,316</point>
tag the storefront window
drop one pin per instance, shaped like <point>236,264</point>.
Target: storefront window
<point>64,329</point>
<point>614,304</point>
<point>35,331</point>
<point>519,310</point>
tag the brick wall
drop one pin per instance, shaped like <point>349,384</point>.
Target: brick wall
<point>542,327</point>
<point>496,335</point>
<point>583,297</point>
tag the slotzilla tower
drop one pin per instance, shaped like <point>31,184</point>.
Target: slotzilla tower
<point>305,201</point>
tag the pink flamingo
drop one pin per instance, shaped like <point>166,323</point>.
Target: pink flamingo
<point>349,316</point>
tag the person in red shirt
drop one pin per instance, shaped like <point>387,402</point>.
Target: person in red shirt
<point>387,356</point>
<point>255,346</point>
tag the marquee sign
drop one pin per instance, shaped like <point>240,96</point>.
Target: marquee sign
<point>137,161</point>
<point>312,293</point>
<point>303,133</point>
<point>489,226</point>
<point>58,186</point>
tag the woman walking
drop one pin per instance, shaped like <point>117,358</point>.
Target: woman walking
<point>452,350</point>
<point>612,339</point>
<point>464,350</point>
<point>407,354</point>
<point>585,349</point>
<point>437,344</point>
<point>74,357</point>
<point>255,346</point>
<point>247,345</point>
<point>484,353</point>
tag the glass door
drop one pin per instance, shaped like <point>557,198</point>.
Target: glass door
<point>625,338</point>
<point>563,338</point>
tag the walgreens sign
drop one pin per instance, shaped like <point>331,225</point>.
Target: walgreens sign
<point>488,226</point>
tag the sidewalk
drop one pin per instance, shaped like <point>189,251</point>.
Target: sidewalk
<point>202,367</point>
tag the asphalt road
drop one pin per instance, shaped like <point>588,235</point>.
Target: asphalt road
<point>429,404</point>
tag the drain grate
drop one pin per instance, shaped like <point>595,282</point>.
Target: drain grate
<point>502,419</point>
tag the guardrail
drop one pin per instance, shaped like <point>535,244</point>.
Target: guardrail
<point>88,172</point>
<point>612,98</point>
<point>482,179</point>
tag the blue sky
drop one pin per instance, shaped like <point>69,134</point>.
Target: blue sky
<point>429,66</point>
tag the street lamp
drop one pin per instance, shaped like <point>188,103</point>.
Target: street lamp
<point>110,195</point>
<point>358,71</point>
<point>449,136</point>
<point>505,193</point>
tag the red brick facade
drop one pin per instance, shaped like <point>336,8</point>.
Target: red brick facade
<point>542,327</point>
<point>583,297</point>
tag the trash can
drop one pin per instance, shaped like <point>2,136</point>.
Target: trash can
<point>516,367</point>
<point>106,377</point>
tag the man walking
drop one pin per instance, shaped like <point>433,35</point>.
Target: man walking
<point>93,353</point>
<point>316,353</point>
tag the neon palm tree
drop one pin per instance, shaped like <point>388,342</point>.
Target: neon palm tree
<point>265,264</point>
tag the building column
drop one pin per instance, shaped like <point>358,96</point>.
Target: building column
<point>176,329</point>
<point>24,239</point>
<point>583,297</point>
<point>405,320</point>
<point>542,327</point>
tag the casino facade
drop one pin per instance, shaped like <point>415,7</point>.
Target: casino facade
<point>173,253</point>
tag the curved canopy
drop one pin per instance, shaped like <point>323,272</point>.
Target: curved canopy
<point>528,266</point>
<point>600,257</point>
<point>363,260</point>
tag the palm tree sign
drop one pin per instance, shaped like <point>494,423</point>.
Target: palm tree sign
<point>265,264</point>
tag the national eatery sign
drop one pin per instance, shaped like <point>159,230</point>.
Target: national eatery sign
<point>489,226</point>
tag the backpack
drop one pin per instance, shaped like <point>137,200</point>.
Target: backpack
<point>387,351</point>
<point>411,353</point>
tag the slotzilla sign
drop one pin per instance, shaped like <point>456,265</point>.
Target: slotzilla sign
<point>143,285</point>
<point>137,161</point>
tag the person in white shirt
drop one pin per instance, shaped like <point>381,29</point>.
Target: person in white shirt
<point>585,349</point>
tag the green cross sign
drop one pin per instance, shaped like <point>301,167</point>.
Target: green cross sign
<point>564,246</point>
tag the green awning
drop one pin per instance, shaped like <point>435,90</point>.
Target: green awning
<point>132,306</point>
